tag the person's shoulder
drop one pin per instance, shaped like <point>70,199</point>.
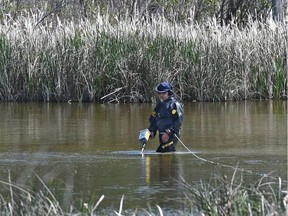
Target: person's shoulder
<point>179,105</point>
<point>175,103</point>
<point>174,100</point>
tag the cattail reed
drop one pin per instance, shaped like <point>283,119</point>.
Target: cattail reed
<point>58,60</point>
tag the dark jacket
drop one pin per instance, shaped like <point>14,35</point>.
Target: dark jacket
<point>167,116</point>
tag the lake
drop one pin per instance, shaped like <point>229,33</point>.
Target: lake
<point>91,149</point>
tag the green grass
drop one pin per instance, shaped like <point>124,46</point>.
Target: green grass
<point>232,196</point>
<point>58,60</point>
<point>223,195</point>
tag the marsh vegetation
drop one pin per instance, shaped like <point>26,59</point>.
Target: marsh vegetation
<point>118,59</point>
<point>221,196</point>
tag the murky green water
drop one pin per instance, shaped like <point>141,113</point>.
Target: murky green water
<point>93,149</point>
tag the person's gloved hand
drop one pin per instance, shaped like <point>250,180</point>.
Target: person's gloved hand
<point>152,134</point>
<point>165,137</point>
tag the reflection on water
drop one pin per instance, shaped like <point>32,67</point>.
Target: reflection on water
<point>93,149</point>
<point>161,169</point>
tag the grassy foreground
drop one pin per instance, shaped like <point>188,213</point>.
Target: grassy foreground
<point>221,196</point>
<point>123,60</point>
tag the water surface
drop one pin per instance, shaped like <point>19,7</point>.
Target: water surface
<point>93,149</point>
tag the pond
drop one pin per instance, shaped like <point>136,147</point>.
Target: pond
<point>92,149</point>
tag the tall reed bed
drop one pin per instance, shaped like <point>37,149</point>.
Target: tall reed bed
<point>112,60</point>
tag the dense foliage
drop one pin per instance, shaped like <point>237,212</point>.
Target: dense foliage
<point>176,10</point>
<point>49,53</point>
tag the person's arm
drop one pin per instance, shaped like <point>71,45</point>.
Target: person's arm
<point>177,115</point>
<point>153,122</point>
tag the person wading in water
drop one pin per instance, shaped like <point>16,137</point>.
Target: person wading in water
<point>166,118</point>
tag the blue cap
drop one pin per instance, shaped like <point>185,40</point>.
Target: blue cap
<point>163,87</point>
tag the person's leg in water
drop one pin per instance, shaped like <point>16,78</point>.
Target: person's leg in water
<point>168,146</point>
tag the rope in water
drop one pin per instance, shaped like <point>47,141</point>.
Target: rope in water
<point>224,165</point>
